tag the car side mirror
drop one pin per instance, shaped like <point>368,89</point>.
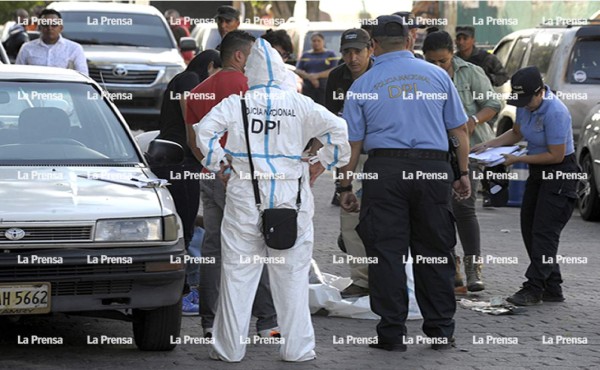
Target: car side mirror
<point>164,153</point>
<point>187,44</point>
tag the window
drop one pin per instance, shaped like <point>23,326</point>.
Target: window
<point>502,51</point>
<point>516,57</point>
<point>542,49</point>
<point>332,40</point>
<point>60,123</point>
<point>584,65</point>
<point>95,28</point>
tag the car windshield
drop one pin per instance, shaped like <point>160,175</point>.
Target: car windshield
<point>124,29</point>
<point>60,123</point>
<point>584,67</point>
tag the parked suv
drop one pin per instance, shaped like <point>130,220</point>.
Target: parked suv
<point>85,226</point>
<point>569,60</point>
<point>588,155</point>
<point>130,49</point>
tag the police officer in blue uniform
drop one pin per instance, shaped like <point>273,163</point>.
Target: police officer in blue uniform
<point>401,112</point>
<point>550,191</point>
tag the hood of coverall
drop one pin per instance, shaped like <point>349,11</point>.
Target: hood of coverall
<point>261,55</point>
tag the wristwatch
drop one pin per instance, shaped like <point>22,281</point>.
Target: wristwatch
<point>475,119</point>
<point>464,173</point>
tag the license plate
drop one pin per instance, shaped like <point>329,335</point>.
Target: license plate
<point>24,298</point>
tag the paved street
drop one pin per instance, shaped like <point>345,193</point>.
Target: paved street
<point>574,321</point>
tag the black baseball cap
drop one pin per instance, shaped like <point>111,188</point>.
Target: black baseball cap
<point>465,30</point>
<point>227,12</point>
<point>355,38</point>
<point>525,83</point>
<point>389,25</point>
<point>409,20</point>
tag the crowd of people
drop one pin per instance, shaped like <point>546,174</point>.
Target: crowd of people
<point>385,112</point>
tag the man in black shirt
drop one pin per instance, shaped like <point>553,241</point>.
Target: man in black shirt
<point>356,52</point>
<point>228,19</point>
<point>465,43</point>
<point>185,186</point>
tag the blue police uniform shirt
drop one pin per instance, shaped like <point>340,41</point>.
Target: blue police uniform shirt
<point>550,124</point>
<point>403,103</point>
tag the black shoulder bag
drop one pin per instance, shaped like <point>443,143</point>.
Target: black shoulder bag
<point>279,225</point>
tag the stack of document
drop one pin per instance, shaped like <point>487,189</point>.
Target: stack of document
<point>493,156</point>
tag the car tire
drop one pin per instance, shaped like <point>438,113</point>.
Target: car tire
<point>153,329</point>
<point>503,126</point>
<point>589,202</point>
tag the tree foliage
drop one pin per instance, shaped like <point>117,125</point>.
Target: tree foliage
<point>7,8</point>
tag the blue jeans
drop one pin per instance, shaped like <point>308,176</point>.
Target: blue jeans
<point>192,270</point>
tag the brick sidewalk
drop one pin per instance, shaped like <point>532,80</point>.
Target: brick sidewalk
<point>575,318</point>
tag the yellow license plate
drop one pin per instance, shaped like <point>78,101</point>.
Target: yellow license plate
<point>24,298</point>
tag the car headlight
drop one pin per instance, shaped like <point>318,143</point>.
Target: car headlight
<point>171,72</point>
<point>133,229</point>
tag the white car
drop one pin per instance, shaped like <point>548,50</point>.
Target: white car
<point>84,225</point>
<point>300,32</point>
<point>207,35</point>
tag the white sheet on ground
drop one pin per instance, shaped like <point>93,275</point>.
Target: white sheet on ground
<point>325,293</point>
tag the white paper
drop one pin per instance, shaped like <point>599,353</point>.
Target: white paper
<point>493,156</point>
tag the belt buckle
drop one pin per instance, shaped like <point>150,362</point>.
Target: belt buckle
<point>412,154</point>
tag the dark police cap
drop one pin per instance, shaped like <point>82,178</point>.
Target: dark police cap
<point>355,38</point>
<point>389,25</point>
<point>227,12</point>
<point>409,20</point>
<point>465,30</point>
<point>525,83</point>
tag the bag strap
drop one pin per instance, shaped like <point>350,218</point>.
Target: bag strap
<point>254,181</point>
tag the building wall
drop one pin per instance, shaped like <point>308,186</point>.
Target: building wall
<point>526,14</point>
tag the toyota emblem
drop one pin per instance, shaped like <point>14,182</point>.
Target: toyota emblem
<point>119,71</point>
<point>14,234</point>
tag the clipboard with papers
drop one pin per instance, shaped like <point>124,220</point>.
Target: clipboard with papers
<point>493,156</point>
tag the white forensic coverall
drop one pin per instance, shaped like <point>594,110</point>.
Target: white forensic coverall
<point>281,122</point>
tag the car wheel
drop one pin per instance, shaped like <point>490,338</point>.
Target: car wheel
<point>153,329</point>
<point>589,203</point>
<point>503,126</point>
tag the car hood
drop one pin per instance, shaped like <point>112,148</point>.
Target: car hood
<point>75,194</point>
<point>108,54</point>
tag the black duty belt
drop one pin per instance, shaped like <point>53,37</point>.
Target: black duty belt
<point>436,155</point>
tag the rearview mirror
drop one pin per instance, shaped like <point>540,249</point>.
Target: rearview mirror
<point>187,44</point>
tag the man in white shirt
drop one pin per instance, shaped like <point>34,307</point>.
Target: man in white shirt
<point>51,49</point>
